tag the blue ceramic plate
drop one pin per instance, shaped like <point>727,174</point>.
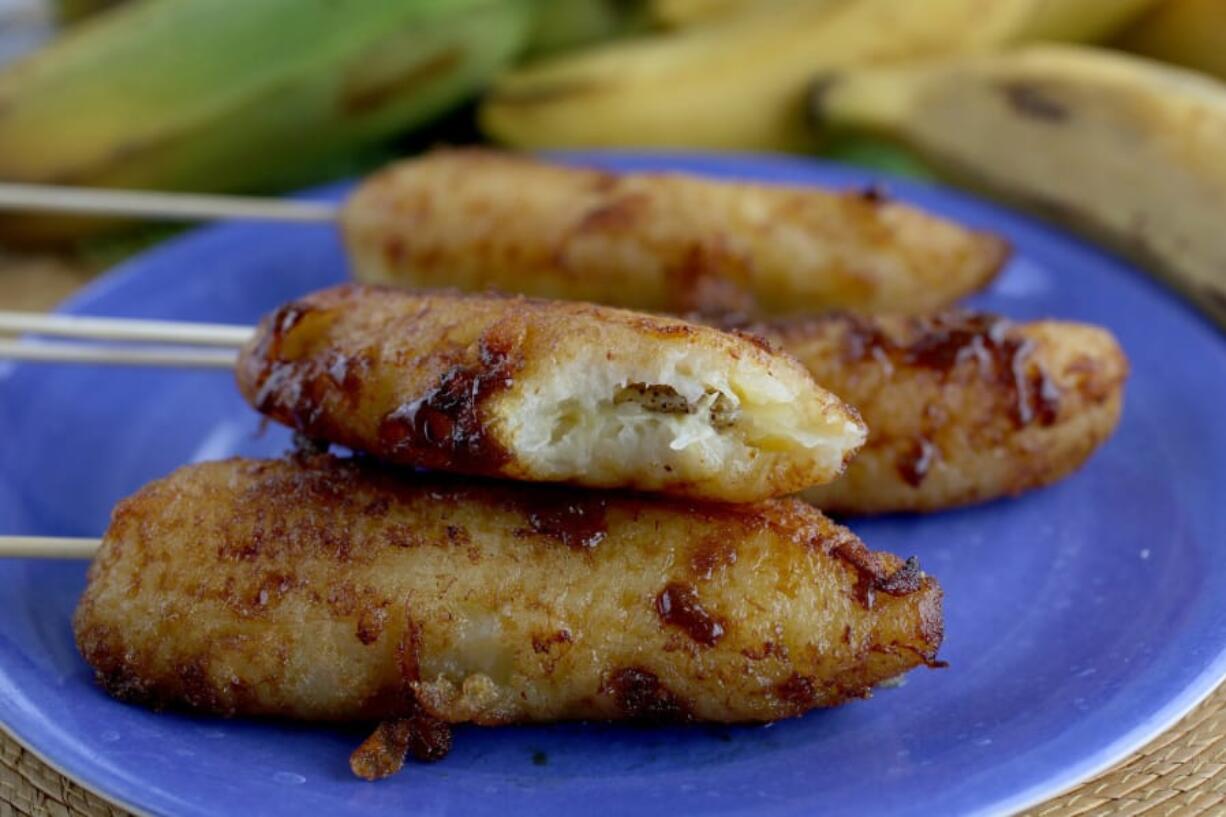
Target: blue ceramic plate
<point>1082,619</point>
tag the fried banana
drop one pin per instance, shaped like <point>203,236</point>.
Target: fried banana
<point>547,392</point>
<point>479,219</point>
<point>326,589</point>
<point>962,407</point>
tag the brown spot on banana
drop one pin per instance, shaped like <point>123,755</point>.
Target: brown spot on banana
<point>1034,101</point>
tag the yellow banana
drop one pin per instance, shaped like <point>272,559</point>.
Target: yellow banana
<point>1191,33</point>
<point>208,95</point>
<point>1129,150</point>
<point>738,82</point>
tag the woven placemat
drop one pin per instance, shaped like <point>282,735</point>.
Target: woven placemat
<point>1181,774</point>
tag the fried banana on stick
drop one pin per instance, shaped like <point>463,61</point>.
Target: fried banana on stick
<point>326,589</point>
<point>479,219</point>
<point>547,392</point>
<point>962,407</point>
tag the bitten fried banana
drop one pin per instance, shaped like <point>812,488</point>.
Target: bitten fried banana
<point>327,589</point>
<point>665,242</point>
<point>961,407</point>
<point>547,392</point>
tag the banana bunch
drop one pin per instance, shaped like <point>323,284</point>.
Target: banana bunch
<point>1131,151</point>
<point>736,78</point>
<point>219,96</point>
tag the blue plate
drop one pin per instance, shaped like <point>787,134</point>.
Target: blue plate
<point>1082,619</point>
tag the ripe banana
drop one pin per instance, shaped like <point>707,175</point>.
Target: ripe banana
<point>738,82</point>
<point>1191,33</point>
<point>204,95</point>
<point>1129,150</point>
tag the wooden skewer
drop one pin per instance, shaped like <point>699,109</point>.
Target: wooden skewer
<point>131,329</point>
<point>118,355</point>
<point>161,206</point>
<point>174,334</point>
<point>214,335</point>
<point>47,547</point>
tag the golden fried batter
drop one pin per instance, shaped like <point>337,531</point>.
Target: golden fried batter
<point>548,392</point>
<point>476,219</point>
<point>325,589</point>
<point>961,407</point>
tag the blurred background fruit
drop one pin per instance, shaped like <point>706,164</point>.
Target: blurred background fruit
<point>259,95</point>
<point>738,81</point>
<point>1130,151</point>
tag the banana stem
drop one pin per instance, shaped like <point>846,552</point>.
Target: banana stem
<point>160,206</point>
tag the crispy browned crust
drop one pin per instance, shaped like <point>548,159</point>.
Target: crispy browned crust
<point>480,219</point>
<point>406,377</point>
<point>327,589</point>
<point>384,752</point>
<point>431,380</point>
<point>962,407</point>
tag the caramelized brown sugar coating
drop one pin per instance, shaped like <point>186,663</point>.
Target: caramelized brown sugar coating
<point>327,589</point>
<point>962,407</point>
<point>480,219</point>
<point>547,391</point>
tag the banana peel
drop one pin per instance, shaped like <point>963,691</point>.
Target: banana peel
<point>1127,150</point>
<point>208,96</point>
<point>739,82</point>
